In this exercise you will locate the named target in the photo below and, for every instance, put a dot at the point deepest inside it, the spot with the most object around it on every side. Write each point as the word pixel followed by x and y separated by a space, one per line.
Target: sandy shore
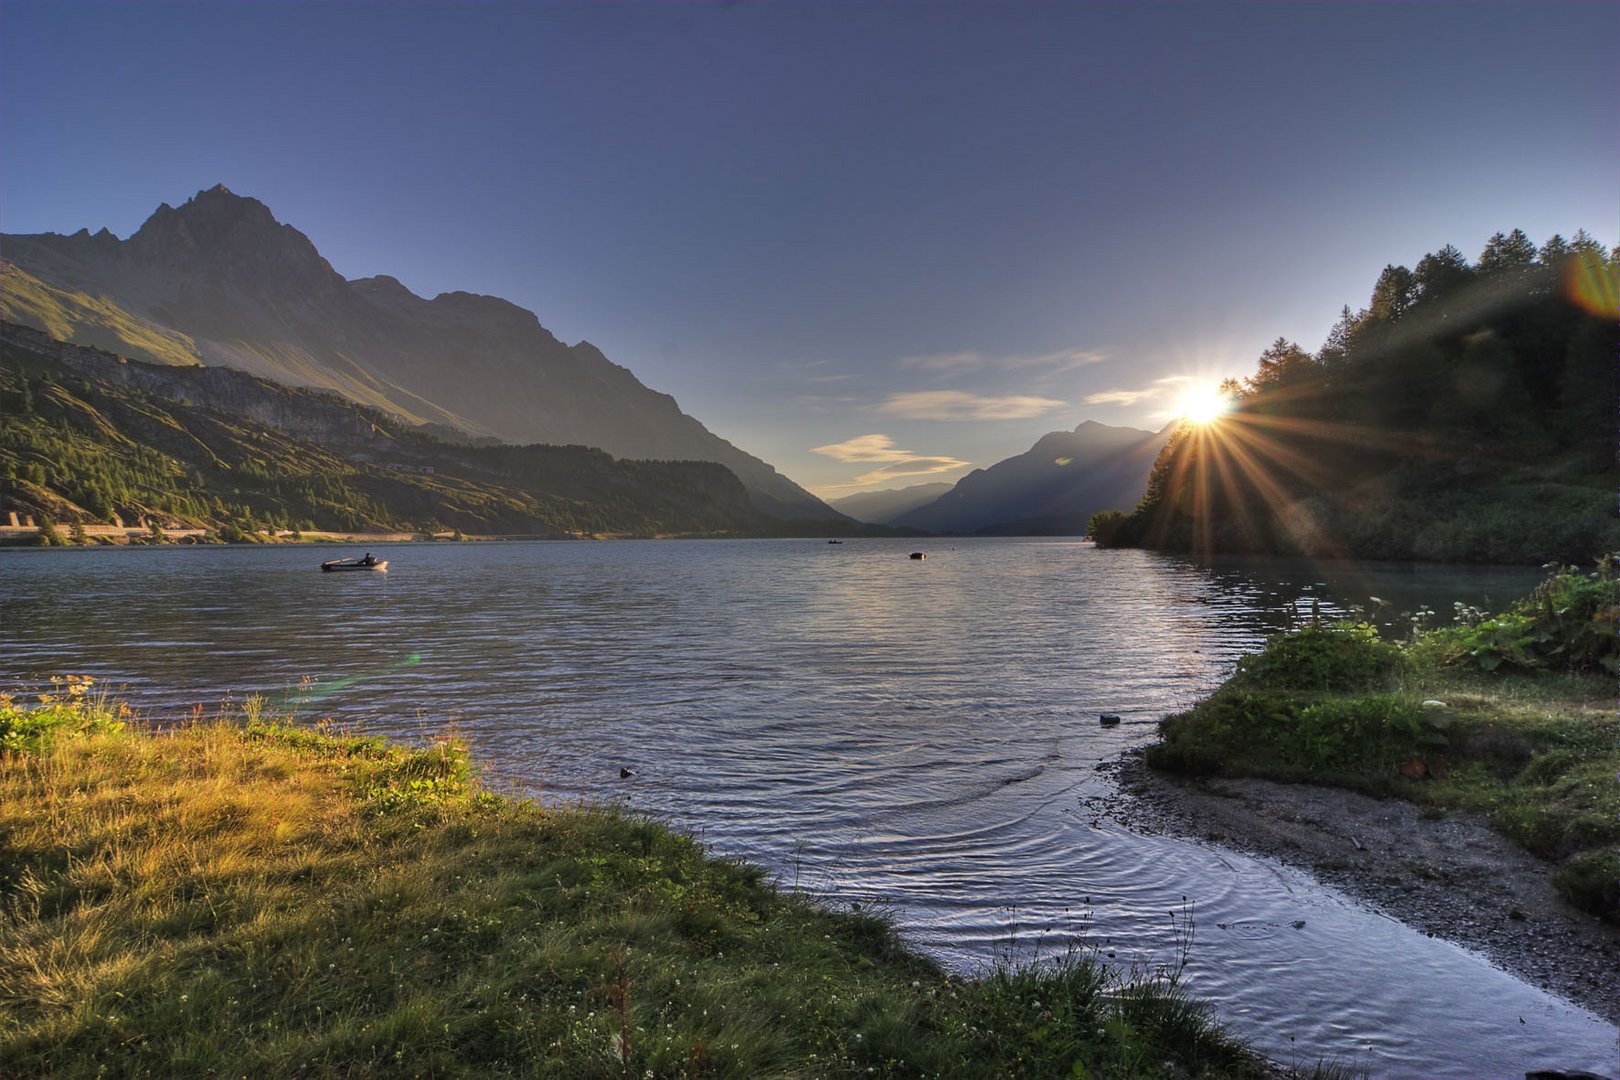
pixel 1451 877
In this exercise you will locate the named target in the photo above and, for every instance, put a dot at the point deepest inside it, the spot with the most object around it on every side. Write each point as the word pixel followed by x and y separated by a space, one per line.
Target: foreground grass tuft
pixel 1511 716
pixel 263 899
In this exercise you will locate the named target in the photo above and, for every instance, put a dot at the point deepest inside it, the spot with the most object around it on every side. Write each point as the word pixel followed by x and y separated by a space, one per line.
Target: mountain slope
pixel 886 506
pixel 87 436
pixel 219 281
pixel 1051 489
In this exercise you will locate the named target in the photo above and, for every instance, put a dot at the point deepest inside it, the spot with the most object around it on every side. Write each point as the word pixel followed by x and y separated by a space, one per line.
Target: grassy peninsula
pixel 247 896
pixel 1509 716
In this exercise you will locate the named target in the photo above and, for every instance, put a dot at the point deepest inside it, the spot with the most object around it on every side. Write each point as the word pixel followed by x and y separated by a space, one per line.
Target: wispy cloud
pixel 893 463
pixel 959 405
pixel 957 361
pixel 951 363
pixel 1153 391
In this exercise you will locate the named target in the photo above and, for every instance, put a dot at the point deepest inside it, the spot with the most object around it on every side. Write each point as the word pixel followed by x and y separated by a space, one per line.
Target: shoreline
pixel 1450 876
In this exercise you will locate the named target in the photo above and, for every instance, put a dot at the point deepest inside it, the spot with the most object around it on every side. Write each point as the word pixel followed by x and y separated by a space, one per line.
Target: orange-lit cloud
pixel 893 463
pixel 959 405
pixel 1156 390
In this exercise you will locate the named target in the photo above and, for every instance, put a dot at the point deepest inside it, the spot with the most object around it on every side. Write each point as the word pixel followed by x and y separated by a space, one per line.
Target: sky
pixel 874 243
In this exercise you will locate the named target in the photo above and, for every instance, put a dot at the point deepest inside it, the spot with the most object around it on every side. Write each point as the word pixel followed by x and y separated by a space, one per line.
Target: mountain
pixel 886 506
pixel 88 435
pixel 1052 489
pixel 219 282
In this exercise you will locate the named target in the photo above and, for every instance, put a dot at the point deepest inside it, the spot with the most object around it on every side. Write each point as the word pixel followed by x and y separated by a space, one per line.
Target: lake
pixel 914 735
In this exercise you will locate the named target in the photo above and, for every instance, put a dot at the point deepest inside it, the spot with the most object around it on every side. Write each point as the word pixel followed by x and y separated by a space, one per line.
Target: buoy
pixel 918 555
pixel 1109 719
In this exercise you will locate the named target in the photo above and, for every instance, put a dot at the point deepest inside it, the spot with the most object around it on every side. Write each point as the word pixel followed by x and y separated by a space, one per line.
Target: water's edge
pixel 917 735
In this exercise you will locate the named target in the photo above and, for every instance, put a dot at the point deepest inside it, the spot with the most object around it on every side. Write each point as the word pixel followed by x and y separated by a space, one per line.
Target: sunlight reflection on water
pixel 910 734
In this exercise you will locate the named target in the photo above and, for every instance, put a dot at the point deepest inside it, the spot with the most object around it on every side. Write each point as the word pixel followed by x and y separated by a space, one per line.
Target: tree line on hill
pixel 1466 413
pixel 78 449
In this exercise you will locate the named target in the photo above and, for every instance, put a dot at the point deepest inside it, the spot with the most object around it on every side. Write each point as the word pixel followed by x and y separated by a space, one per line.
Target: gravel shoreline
pixel 1450 877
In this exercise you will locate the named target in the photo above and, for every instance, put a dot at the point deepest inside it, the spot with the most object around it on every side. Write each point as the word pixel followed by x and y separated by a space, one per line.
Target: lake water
pixel 915 735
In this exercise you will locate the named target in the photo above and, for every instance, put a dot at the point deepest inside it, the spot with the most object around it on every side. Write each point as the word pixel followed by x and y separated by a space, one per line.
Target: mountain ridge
pixel 885 506
pixel 91 437
pixel 1052 488
pixel 219 281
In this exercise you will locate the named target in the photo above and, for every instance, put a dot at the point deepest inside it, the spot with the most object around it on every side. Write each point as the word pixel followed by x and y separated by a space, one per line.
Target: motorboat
pixel 367 563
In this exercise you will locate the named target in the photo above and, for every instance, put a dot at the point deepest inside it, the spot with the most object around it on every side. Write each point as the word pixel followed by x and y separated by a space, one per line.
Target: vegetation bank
pixel 1509 716
pixel 250 896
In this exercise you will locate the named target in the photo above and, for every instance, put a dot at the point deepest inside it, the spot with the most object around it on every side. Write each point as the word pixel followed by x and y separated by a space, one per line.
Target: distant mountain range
pixel 220 282
pixel 1052 489
pixel 884 507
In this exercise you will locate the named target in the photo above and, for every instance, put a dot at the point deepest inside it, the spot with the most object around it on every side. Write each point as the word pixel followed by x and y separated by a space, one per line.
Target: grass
pixel 255 897
pixel 1510 716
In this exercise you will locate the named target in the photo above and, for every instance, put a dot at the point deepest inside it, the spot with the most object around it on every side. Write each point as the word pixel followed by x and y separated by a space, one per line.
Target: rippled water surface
pixel 912 733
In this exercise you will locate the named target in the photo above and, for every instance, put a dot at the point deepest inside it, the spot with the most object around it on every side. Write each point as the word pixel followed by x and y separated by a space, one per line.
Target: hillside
pixel 1051 489
pixel 1467 413
pixel 220 282
pixel 888 505
pixel 88 435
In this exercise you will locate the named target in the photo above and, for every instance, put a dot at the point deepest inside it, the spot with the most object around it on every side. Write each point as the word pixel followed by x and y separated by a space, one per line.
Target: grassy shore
pixel 1511 716
pixel 250 897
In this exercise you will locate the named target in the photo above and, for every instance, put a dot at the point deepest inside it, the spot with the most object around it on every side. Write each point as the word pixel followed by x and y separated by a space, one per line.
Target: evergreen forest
pixel 1466 413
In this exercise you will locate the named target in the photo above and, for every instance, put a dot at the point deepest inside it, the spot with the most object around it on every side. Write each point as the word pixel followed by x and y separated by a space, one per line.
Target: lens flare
pixel 313 693
pixel 1591 284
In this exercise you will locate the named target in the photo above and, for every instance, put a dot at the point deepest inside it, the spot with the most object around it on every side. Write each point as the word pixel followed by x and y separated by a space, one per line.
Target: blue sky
pixel 915 235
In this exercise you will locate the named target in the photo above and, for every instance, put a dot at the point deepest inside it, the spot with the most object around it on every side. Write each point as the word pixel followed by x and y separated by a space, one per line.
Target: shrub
pixel 1364 734
pixel 1567 624
pixel 1342 657
pixel 1105 526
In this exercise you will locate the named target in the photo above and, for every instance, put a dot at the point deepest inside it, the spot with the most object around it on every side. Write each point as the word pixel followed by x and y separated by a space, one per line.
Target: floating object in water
pixel 918 555
pixel 355 564
pixel 624 773
pixel 835 541
pixel 1109 719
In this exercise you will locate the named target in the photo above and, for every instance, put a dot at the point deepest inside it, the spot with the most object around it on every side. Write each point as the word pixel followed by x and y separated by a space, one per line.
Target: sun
pixel 1204 404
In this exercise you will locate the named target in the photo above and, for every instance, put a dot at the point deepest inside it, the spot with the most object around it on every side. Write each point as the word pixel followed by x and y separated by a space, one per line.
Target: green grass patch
pixel 1510 716
pixel 255 897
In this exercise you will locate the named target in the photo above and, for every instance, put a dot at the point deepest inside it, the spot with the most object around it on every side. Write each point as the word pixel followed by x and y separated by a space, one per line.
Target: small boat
pixel 355 564
pixel 918 555
pixel 835 541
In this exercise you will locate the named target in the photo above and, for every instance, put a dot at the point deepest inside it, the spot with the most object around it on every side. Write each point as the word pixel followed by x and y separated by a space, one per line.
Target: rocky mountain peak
pixel 229 237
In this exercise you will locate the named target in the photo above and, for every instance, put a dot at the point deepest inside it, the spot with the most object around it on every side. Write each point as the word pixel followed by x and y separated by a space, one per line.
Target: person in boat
pixel 369 560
